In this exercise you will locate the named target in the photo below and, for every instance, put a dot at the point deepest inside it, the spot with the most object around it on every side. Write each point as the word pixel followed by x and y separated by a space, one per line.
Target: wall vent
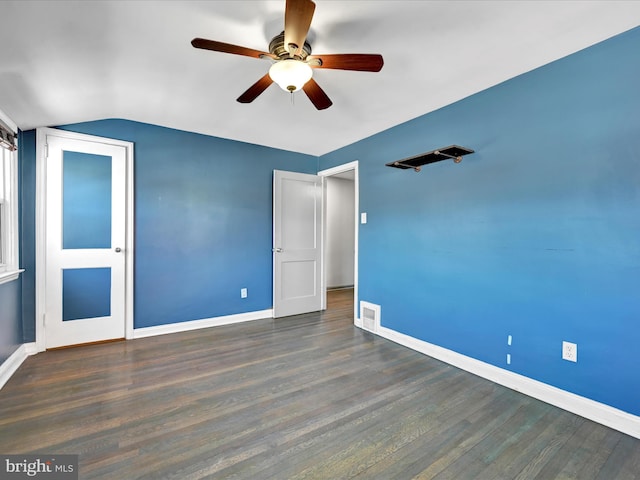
pixel 370 316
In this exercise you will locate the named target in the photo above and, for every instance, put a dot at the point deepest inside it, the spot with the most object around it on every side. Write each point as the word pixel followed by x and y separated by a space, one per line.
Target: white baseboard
pixel 590 409
pixel 204 323
pixel 11 364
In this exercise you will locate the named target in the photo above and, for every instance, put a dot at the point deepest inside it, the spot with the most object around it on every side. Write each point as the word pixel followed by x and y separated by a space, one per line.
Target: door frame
pixel 356 185
pixel 40 231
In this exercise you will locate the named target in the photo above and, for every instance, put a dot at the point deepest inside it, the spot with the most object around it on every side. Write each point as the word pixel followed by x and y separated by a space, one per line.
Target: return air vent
pixel 370 316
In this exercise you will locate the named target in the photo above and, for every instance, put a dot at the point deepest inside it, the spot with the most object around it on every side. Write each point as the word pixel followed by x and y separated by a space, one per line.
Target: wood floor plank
pixel 308 396
pixel 550 440
pixel 433 445
pixel 612 468
pixel 568 460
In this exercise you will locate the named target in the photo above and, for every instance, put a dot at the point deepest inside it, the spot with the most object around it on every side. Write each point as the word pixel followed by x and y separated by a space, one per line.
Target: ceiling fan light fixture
pixel 290 74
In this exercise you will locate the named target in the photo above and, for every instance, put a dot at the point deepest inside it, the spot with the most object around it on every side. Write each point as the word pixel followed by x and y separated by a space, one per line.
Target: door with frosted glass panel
pixel 85 205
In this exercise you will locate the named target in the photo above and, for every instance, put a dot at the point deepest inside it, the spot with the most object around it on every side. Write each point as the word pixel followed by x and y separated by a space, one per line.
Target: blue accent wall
pixel 86 200
pixel 27 180
pixel 86 293
pixel 10 318
pixel 202 221
pixel 536 235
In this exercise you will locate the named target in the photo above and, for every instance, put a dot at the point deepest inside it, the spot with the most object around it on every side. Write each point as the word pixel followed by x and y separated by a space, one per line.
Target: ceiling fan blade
pixel 317 95
pixel 256 89
pixel 362 62
pixel 229 48
pixel 297 21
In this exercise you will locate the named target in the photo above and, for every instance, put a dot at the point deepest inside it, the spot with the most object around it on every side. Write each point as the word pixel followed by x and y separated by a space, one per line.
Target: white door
pixel 297 237
pixel 85 212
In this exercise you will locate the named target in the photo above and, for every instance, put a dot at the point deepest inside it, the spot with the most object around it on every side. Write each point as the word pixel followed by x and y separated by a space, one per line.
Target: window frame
pixel 9 239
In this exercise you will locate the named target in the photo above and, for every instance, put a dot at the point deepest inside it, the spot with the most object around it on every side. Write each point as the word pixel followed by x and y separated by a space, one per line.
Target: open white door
pixel 297 243
pixel 86 249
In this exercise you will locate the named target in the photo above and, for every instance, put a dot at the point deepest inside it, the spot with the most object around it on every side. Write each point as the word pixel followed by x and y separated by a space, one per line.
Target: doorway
pixel 340 251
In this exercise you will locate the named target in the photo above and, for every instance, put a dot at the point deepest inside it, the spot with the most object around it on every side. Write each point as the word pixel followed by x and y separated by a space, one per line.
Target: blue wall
pixel 10 318
pixel 536 235
pixel 202 221
pixel 27 159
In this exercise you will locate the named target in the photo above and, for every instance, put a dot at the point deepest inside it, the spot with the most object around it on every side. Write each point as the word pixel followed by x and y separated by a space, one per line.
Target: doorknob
pixel 118 249
pixel 277 250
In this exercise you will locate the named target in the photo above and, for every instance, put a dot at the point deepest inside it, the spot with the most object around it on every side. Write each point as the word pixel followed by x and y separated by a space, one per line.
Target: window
pixel 8 205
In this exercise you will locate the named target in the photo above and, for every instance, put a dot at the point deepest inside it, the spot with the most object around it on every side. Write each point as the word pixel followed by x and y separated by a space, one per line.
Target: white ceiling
pixel 72 61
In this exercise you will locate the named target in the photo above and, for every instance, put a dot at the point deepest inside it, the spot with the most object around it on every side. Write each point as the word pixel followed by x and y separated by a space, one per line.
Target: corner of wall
pixel 11 364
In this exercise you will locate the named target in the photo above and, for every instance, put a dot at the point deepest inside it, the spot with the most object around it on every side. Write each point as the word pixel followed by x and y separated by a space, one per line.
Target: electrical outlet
pixel 570 351
pixel 243 293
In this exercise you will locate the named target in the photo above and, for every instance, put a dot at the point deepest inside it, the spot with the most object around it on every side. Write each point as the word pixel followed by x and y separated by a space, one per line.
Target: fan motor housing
pixel 278 48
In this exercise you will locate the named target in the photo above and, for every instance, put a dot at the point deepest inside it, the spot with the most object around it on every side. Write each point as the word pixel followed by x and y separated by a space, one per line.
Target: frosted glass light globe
pixel 290 74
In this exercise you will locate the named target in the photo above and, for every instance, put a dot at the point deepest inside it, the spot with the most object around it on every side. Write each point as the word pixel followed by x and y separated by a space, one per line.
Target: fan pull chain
pixel 292 102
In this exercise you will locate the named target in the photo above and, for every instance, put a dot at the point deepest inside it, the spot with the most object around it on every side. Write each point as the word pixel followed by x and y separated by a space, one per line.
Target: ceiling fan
pixel 293 63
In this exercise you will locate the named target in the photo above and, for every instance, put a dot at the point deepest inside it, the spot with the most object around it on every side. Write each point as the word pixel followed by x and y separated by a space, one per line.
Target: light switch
pixel 363 217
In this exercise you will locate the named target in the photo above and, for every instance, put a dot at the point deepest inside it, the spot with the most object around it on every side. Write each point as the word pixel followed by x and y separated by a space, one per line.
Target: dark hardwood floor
pixel 309 396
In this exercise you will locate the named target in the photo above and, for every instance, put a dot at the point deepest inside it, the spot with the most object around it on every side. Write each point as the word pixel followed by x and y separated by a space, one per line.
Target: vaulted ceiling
pixel 64 62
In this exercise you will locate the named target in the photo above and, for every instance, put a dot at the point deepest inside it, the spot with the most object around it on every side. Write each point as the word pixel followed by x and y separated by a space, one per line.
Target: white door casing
pixel 68 311
pixel 297 243
pixel 340 169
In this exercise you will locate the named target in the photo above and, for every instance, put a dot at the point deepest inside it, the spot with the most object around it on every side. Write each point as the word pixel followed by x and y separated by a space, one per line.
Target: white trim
pixel 8 122
pixel 587 408
pixel 41 153
pixel 11 364
pixel 356 185
pixel 9 216
pixel 129 243
pixel 323 245
pixel 204 323
pixel 40 238
pixel 7 277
